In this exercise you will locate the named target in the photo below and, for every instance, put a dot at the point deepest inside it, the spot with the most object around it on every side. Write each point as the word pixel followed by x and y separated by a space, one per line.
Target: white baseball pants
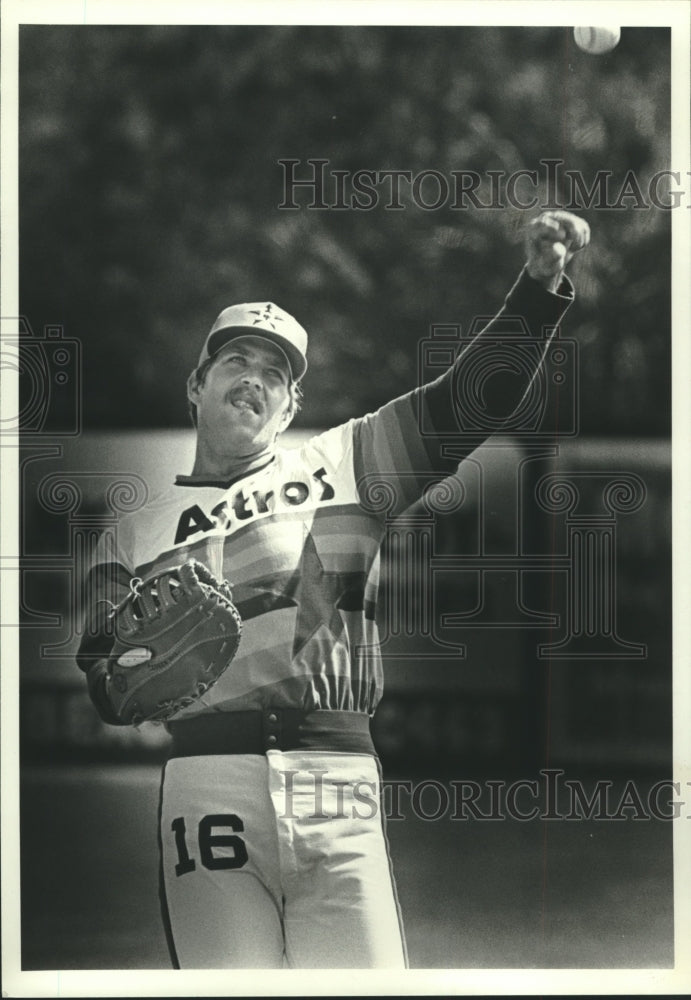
pixel 278 860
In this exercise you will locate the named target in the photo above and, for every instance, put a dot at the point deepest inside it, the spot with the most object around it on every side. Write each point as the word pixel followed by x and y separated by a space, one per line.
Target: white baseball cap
pixel 262 319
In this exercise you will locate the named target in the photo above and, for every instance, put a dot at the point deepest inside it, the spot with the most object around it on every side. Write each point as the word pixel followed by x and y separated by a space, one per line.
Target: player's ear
pixel 288 413
pixel 193 386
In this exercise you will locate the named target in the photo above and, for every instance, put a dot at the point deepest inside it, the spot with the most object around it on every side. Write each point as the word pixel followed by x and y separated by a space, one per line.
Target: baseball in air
pixel 596 41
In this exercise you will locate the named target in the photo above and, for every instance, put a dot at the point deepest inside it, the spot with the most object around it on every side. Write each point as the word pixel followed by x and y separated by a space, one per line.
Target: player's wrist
pixel 550 281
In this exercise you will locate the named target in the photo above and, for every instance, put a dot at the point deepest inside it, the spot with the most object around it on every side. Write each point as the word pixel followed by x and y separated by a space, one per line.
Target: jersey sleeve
pixel 105 586
pixel 418 439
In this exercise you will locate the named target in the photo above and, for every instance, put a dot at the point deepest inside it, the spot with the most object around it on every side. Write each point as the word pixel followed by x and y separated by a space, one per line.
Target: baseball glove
pixel 175 635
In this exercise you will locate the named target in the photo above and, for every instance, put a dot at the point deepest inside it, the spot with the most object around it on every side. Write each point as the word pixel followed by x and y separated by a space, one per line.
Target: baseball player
pixel 272 841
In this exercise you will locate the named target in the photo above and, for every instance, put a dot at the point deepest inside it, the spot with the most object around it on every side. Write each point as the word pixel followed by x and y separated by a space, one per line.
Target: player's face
pixel 245 397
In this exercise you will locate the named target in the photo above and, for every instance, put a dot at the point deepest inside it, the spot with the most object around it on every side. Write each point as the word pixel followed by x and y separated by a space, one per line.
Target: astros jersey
pixel 299 541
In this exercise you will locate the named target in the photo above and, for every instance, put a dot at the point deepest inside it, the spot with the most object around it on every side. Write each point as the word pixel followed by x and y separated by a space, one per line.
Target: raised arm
pixel 422 436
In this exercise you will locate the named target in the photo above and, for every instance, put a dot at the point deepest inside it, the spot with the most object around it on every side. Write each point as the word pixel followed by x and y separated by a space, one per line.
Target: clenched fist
pixel 551 241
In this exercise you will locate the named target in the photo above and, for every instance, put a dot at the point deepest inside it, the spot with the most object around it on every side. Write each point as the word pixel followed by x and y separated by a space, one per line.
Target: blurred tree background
pixel 150 183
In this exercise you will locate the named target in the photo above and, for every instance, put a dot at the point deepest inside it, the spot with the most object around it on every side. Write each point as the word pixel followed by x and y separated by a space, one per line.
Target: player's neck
pixel 211 465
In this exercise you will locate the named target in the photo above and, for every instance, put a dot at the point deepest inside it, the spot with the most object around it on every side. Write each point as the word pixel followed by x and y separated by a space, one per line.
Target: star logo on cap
pixel 266 316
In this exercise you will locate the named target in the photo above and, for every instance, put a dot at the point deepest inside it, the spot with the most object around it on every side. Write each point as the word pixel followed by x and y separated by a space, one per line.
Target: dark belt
pixel 271 729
